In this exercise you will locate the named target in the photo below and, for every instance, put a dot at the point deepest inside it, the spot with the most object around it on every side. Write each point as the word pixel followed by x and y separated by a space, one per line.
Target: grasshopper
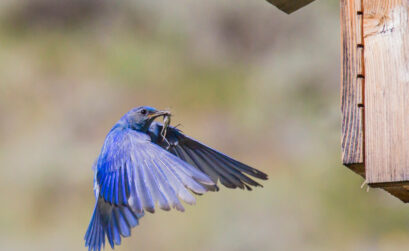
pixel 166 123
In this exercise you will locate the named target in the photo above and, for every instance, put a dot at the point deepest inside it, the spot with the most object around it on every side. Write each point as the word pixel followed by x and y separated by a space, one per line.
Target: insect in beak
pixel 166 123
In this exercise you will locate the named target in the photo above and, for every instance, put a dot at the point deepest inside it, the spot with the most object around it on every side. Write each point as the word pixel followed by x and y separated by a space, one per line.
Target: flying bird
pixel 145 163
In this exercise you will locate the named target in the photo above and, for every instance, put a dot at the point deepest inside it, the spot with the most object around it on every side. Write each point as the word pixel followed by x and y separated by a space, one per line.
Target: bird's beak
pixel 158 114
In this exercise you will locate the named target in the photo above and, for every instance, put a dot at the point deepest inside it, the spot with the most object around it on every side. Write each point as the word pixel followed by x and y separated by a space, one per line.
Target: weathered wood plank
pixel 289 6
pixel 352 86
pixel 386 39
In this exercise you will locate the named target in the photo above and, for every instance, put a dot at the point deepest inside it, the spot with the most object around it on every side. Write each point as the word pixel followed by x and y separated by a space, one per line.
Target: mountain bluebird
pixel 140 166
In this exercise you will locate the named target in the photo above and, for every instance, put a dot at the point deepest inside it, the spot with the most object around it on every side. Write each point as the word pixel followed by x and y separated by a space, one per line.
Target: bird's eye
pixel 144 112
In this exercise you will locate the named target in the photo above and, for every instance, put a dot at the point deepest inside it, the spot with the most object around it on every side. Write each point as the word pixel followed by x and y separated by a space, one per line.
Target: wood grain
pixel 289 6
pixel 352 82
pixel 386 39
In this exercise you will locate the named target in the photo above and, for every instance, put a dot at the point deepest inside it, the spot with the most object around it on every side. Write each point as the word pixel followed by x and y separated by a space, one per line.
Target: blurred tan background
pixel 239 75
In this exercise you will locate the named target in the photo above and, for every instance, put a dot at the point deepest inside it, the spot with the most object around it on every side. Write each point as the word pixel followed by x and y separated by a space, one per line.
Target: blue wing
pixel 215 164
pixel 133 171
pixel 132 175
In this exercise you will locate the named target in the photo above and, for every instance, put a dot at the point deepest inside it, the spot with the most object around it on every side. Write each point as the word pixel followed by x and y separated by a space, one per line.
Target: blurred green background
pixel 239 75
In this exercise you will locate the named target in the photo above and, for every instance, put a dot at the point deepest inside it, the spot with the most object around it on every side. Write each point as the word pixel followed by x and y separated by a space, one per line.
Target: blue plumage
pixel 137 168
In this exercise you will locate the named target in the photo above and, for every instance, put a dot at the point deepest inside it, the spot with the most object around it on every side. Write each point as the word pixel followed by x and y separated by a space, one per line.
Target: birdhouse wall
pixel 351 85
pixel 386 38
pixel 375 92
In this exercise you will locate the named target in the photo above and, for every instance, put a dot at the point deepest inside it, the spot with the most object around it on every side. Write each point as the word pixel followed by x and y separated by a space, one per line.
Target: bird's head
pixel 140 118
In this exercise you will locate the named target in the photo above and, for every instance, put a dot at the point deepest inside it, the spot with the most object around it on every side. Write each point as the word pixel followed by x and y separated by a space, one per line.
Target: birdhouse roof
pixel 289 6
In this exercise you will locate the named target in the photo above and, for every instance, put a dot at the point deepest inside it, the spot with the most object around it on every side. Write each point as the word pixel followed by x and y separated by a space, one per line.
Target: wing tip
pixel 150 209
pixel 260 175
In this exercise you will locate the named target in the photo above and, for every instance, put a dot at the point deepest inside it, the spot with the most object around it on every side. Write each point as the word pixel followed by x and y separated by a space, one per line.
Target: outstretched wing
pixel 217 165
pixel 133 171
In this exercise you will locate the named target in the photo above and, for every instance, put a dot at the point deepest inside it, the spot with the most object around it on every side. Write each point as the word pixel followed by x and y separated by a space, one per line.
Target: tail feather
pixel 110 221
pixel 95 236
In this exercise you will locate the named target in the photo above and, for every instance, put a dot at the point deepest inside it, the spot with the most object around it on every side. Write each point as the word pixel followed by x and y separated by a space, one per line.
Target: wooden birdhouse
pixel 374 90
